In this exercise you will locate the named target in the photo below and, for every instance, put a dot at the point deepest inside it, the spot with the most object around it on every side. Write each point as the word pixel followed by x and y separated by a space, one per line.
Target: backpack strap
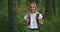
pixel 37 21
pixel 29 19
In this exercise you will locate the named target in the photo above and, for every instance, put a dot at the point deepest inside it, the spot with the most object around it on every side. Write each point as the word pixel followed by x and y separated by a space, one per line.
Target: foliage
pixel 49 26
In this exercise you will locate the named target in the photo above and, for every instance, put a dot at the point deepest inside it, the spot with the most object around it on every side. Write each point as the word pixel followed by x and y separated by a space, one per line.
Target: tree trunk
pixel 11 15
pixel 53 6
pixel 48 12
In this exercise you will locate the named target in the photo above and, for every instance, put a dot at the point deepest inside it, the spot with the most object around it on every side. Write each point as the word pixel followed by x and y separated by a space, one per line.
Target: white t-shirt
pixel 33 22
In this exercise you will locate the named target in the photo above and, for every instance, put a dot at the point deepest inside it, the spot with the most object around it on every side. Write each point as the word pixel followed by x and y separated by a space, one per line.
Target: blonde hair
pixel 33 3
pixel 35 7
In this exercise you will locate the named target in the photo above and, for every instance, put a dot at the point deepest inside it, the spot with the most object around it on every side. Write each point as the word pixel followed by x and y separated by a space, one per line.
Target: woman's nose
pixel 32 8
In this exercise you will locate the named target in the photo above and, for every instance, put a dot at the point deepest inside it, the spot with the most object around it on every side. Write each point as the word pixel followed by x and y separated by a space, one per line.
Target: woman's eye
pixel 32 7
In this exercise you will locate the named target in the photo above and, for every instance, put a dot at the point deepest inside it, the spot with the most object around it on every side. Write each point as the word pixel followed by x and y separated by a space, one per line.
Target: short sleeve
pixel 25 17
pixel 40 16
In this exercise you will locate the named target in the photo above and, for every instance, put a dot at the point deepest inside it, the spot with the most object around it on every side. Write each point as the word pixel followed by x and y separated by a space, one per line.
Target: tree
pixel 53 6
pixel 48 12
pixel 11 14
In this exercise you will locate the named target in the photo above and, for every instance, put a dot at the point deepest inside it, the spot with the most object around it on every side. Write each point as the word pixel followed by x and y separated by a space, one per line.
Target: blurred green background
pixel 21 8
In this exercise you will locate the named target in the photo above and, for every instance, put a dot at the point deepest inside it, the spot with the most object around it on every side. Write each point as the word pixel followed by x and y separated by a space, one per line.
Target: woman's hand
pixel 26 21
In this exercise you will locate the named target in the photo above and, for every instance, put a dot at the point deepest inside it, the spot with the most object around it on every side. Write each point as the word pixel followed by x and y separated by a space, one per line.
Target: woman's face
pixel 32 8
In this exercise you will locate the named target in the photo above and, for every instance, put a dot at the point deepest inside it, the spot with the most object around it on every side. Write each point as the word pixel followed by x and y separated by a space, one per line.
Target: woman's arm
pixel 40 21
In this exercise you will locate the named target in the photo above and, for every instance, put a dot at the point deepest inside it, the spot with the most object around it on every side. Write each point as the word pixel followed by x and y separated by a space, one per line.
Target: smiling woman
pixel 33 7
pixel 34 19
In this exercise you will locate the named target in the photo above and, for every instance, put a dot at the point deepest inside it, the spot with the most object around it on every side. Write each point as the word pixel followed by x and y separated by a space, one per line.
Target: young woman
pixel 30 18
